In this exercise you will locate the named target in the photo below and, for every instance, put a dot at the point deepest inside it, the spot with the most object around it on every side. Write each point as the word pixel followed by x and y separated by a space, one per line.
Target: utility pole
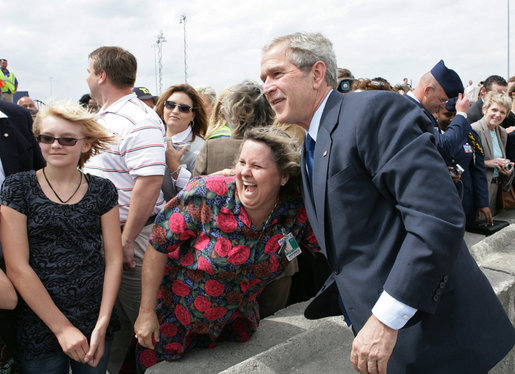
pixel 183 21
pixel 159 43
pixel 154 46
pixel 508 2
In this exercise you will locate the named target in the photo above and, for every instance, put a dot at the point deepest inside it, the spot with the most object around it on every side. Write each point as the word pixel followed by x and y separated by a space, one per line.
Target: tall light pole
pixel 154 46
pixel 508 2
pixel 183 21
pixel 159 43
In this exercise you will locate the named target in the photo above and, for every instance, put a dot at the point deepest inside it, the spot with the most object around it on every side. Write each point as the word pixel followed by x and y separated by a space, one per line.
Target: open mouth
pixel 249 187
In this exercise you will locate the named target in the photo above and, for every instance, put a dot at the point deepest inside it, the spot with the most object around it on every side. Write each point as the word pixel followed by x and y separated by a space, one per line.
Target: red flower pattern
pixel 213 314
pixel 202 304
pixel 168 330
pixel 187 260
pixel 205 266
pixel 180 288
pixel 148 358
pixel 214 288
pixel 217 185
pixel 173 348
pixel 238 255
pixel 222 247
pixel 177 223
pixel 182 315
pixel 201 242
pixel 302 216
pixel 226 220
pixel 272 245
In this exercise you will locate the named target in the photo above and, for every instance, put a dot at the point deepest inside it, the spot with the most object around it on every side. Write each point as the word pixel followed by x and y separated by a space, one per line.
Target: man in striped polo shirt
pixel 135 163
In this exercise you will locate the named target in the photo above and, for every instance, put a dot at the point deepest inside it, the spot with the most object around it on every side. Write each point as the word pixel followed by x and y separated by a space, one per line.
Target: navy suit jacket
pixel 388 217
pixel 19 150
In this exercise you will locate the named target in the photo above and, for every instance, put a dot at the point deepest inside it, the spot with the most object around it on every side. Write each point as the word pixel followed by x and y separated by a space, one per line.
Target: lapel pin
pixel 6 134
pixel 324 154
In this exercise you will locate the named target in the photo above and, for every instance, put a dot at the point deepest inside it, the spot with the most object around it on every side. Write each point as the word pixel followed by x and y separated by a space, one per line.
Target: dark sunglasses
pixel 67 142
pixel 183 108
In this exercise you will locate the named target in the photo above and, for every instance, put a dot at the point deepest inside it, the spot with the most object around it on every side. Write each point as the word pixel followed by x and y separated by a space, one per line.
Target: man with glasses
pixel 135 164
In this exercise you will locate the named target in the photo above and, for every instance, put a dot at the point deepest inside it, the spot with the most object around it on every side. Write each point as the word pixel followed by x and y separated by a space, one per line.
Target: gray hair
pixel 501 99
pixel 245 107
pixel 305 49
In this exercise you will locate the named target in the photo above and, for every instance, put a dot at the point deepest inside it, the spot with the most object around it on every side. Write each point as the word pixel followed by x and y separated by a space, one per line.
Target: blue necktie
pixel 310 151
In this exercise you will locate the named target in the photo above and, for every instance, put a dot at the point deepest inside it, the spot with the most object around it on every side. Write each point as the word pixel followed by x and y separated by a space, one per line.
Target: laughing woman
pixel 218 243
pixel 54 224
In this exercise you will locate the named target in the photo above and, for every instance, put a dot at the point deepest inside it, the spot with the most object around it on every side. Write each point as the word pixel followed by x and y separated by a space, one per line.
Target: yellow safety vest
pixel 10 85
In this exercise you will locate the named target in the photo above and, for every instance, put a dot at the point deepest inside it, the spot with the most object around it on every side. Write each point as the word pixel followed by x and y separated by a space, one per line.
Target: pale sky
pixel 47 43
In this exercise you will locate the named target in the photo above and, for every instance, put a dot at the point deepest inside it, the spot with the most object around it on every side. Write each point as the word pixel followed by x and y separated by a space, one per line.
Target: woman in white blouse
pixel 182 110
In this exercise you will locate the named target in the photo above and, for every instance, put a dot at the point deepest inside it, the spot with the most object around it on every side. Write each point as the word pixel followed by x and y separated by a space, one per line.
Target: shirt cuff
pixel 183 178
pixel 392 312
pixel 462 113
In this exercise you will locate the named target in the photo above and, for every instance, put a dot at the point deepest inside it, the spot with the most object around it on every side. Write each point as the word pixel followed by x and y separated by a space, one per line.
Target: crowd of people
pixel 135 228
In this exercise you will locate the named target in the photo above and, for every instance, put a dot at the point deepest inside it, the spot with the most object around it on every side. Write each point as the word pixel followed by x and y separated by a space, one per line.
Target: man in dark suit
pixel 388 218
pixel 19 151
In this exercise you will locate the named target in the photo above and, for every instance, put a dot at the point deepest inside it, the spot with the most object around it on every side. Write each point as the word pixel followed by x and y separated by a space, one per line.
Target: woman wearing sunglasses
pixel 55 222
pixel 182 110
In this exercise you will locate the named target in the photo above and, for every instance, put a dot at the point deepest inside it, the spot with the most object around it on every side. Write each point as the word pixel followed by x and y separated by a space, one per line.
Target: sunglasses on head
pixel 47 139
pixel 183 108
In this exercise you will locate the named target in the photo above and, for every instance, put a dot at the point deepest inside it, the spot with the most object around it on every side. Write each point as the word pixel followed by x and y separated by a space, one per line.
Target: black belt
pixel 150 221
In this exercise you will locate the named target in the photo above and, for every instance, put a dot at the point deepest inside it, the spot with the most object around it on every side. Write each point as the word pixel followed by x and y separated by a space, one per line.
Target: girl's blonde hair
pixel 93 132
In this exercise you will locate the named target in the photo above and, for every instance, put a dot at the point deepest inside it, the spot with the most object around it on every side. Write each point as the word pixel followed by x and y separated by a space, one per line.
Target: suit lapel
pixel 306 188
pixel 489 145
pixel 321 159
pixel 8 147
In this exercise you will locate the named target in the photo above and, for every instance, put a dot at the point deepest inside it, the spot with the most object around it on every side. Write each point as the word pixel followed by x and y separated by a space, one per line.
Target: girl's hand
pixel 73 343
pixel 96 347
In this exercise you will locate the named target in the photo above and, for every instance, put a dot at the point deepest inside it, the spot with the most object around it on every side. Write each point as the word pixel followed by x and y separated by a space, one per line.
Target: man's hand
pixel 128 254
pixel 454 176
pixel 463 103
pixel 485 211
pixel 373 346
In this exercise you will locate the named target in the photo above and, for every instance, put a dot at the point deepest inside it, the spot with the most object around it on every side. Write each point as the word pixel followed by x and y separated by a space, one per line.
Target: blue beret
pixel 450 105
pixel 448 79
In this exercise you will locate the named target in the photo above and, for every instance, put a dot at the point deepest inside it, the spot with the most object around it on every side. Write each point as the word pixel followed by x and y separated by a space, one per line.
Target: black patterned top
pixel 65 252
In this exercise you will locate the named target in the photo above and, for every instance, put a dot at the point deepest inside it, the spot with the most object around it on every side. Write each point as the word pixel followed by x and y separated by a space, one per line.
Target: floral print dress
pixel 218 263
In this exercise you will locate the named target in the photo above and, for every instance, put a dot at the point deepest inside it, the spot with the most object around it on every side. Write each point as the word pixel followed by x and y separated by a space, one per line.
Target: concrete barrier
pixel 288 343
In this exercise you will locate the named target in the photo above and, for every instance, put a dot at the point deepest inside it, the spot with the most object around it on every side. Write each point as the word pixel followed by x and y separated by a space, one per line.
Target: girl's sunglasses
pixel 67 142
pixel 183 108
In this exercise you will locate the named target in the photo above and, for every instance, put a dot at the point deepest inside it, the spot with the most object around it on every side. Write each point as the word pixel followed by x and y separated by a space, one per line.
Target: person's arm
pixel 200 168
pixel 112 242
pixel 143 200
pixel 146 327
pixel 9 299
pixel 16 252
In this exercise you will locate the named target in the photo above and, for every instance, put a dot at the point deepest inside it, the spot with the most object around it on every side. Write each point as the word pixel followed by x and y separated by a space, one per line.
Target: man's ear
pixel 102 77
pixel 318 69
